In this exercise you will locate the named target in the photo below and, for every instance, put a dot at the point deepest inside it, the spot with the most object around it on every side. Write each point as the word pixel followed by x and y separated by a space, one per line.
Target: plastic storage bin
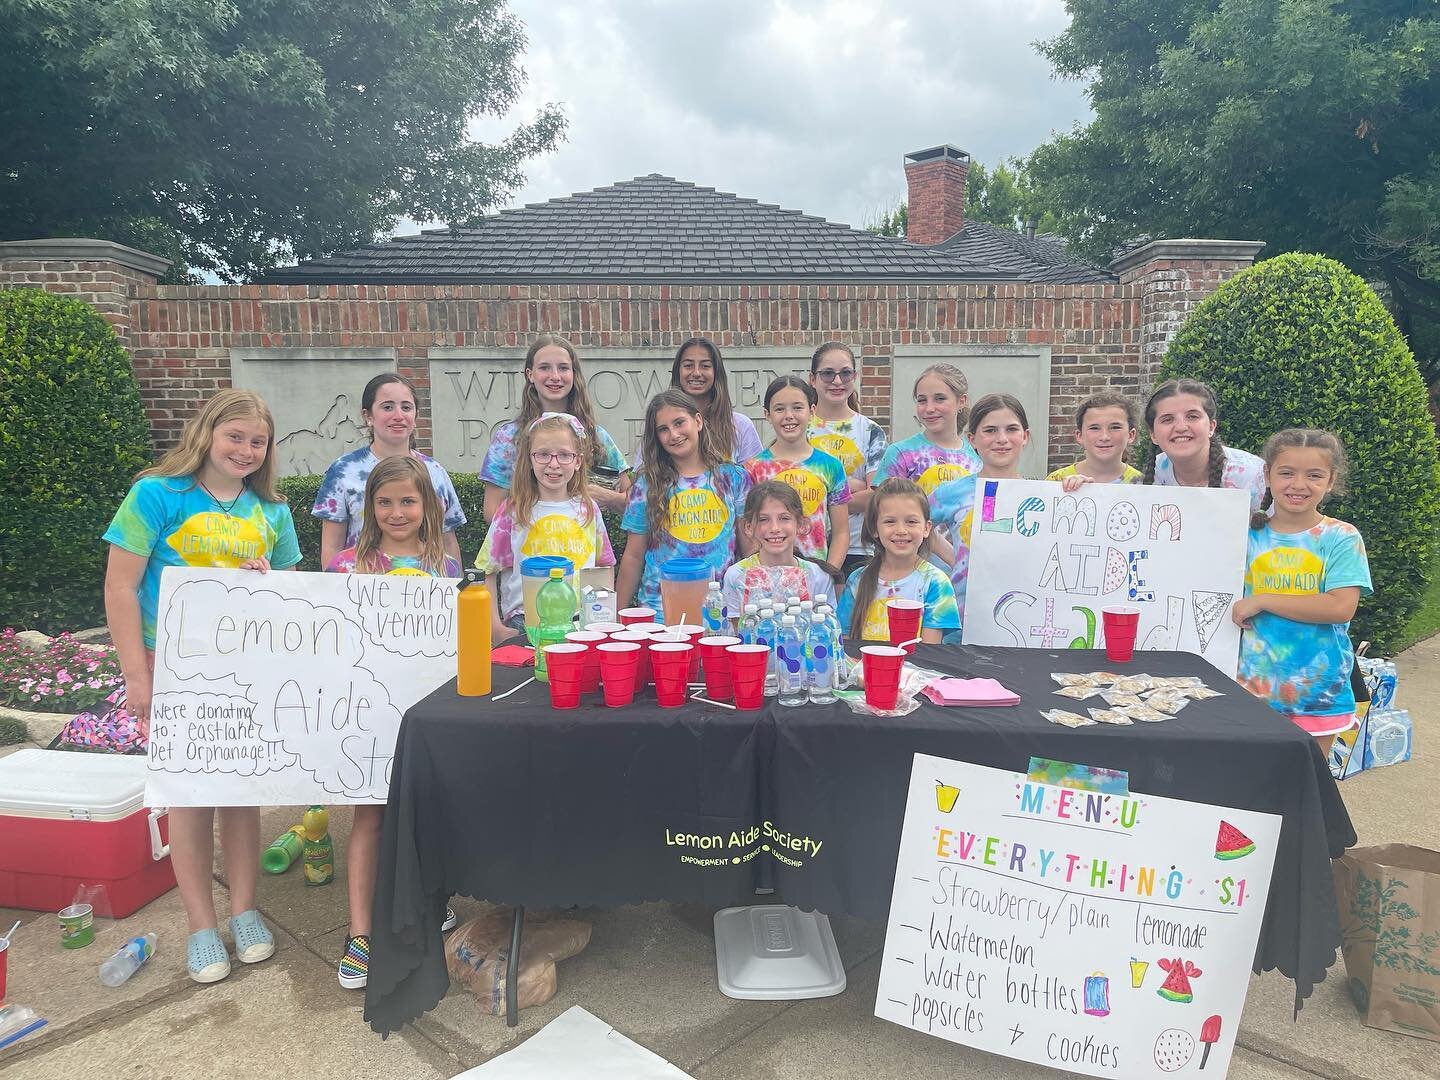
pixel 68 819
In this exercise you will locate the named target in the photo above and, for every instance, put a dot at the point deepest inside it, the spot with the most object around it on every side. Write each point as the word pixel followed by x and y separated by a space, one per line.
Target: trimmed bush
pixel 72 436
pixel 1300 341
pixel 300 491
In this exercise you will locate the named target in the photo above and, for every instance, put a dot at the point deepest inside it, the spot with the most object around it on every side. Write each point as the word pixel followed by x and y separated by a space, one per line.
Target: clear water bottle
pixel 765 631
pixel 713 610
pixel 749 620
pixel 807 608
pixel 842 662
pixel 790 663
pixel 127 960
pixel 820 661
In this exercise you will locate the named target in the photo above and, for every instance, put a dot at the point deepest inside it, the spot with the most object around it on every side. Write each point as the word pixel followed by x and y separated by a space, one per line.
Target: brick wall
pixel 935 201
pixel 1100 336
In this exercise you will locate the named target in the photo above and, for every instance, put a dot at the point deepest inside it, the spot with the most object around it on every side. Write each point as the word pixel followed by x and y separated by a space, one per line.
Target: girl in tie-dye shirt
pixel 842 431
pixel 940 452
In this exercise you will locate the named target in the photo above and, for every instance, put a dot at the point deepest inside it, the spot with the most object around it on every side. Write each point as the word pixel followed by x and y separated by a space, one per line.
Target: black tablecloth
pixel 518 803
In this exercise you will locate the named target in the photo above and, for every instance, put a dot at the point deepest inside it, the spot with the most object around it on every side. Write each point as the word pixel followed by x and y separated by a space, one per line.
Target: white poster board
pixel 288 688
pixel 1043 564
pixel 1061 919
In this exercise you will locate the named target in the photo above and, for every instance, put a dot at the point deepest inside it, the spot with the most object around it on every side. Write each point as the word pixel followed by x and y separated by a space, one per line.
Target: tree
pixel 1309 124
pixel 1300 341
pixel 1004 197
pixel 238 136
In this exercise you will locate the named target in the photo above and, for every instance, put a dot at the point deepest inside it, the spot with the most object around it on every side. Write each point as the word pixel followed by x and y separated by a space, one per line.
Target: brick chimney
pixel 936 178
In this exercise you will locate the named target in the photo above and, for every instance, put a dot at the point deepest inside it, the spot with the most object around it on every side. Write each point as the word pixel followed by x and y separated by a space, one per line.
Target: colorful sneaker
pixel 355 964
pixel 253 942
pixel 205 956
pixel 450 920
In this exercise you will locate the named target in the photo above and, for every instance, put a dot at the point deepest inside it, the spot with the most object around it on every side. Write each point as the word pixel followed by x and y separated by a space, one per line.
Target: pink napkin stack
pixel 969 692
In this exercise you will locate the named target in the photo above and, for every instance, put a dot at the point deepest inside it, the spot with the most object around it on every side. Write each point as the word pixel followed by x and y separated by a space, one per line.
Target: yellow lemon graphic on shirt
pixel 966 524
pixel 1288 570
pixel 406 571
pixel 877 623
pixel 807 485
pixel 211 539
pixel 556 534
pixel 841 446
pixel 697 515
pixel 938 474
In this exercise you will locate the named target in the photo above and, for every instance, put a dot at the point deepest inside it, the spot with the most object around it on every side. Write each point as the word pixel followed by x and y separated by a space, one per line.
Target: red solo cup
pixel 671 662
pixel 590 680
pixel 606 628
pixel 619 663
pixel 565 664
pixel 904 618
pixel 693 634
pixel 636 615
pixel 641 638
pixel 718 685
pixel 882 665
pixel 1121 625
pixel 747 674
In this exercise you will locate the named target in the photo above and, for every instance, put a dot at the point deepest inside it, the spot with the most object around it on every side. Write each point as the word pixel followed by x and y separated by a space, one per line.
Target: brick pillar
pixel 935 207
pixel 107 276
pixel 1172 277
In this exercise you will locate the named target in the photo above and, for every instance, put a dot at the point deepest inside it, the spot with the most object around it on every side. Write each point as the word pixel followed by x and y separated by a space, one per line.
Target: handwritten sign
pixel 289 688
pixel 1044 563
pixel 1058 921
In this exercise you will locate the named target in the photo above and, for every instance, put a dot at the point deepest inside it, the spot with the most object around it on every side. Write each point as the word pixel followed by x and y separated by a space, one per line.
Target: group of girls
pixel 827 502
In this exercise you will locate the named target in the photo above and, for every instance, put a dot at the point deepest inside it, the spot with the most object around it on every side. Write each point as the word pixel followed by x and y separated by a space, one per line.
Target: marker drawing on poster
pixel 288 688
pixel 1061 918
pixel 1043 564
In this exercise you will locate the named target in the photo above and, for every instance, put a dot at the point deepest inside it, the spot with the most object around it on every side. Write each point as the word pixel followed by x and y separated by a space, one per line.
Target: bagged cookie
pixel 1110 716
pixel 1069 719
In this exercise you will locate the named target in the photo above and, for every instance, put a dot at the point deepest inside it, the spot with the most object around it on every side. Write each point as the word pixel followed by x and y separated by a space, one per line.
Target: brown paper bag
pixel 477 953
pixel 1390 913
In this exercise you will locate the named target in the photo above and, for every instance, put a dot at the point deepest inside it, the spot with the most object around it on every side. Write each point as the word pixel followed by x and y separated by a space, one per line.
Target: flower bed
pixel 63 676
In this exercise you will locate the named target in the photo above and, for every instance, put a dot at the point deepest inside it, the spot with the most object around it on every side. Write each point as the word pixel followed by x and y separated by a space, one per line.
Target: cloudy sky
pixel 811 104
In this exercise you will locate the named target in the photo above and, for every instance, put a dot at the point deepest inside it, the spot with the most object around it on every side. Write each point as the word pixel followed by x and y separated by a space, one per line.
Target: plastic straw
pixel 507 693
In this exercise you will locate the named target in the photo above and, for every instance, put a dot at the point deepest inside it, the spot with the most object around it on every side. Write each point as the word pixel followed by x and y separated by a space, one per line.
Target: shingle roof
pixel 658 229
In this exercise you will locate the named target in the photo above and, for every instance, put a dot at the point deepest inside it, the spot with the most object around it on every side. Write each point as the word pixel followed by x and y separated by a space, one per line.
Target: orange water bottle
pixel 472 635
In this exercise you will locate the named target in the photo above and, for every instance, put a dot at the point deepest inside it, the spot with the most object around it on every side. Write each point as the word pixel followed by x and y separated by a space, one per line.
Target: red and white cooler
pixel 69 819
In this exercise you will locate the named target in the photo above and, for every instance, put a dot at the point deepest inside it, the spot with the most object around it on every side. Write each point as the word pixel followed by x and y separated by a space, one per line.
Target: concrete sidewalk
pixel 649 971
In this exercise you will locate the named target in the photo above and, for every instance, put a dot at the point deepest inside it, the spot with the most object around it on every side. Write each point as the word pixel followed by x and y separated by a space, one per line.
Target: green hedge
pixel 1300 341
pixel 300 491
pixel 72 435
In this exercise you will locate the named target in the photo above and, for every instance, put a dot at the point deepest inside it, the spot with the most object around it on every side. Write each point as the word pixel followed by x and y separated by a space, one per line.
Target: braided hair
pixel 1174 388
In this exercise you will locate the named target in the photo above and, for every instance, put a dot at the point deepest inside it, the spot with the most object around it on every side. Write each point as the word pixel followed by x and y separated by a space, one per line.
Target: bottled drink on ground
pixel 128 959
pixel 283 850
pixel 790 663
pixel 319 850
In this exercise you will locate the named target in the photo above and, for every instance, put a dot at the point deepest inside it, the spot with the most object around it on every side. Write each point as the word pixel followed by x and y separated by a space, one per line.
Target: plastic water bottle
pixel 820 661
pixel 765 631
pixel 127 960
pixel 555 607
pixel 837 635
pixel 749 620
pixel 807 608
pixel 713 611
pixel 790 663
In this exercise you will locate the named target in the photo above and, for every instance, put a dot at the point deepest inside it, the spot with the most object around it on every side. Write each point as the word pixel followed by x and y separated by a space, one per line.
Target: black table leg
pixel 512 970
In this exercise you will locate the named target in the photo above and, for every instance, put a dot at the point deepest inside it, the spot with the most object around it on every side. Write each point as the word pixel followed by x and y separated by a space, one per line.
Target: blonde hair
pixel 577 403
pixel 897 487
pixel 953 378
pixel 432 521
pixel 191 453
pixel 525 486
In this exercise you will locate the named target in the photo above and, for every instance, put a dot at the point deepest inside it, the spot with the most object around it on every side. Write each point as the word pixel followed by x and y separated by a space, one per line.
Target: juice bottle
pixel 472 635
pixel 555 606
pixel 319 850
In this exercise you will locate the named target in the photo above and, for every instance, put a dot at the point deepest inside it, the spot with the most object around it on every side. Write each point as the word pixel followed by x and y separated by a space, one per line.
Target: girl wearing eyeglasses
pixel 548 512
pixel 839 429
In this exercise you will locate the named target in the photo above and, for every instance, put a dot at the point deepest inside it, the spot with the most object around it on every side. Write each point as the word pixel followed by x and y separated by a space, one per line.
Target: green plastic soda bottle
pixel 555 608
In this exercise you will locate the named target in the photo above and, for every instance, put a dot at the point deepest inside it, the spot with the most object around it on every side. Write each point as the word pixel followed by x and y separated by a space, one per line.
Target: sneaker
pixel 450 920
pixel 253 942
pixel 355 964
pixel 205 956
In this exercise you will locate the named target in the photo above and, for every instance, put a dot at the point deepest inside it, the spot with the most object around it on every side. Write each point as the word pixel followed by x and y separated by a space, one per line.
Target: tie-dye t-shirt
pixel 859 443
pixel 928 584
pixel 173 521
pixel 498 468
pixel 1128 474
pixel 1302 668
pixel 919 459
pixel 555 528
pixel 952 509
pixel 400 565
pixel 747 581
pixel 819 480
pixel 703 513
pixel 1242 470
pixel 341 497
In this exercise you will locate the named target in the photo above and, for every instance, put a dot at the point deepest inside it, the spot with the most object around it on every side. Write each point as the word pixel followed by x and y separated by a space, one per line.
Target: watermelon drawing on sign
pixel 1177 982
pixel 1231 843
